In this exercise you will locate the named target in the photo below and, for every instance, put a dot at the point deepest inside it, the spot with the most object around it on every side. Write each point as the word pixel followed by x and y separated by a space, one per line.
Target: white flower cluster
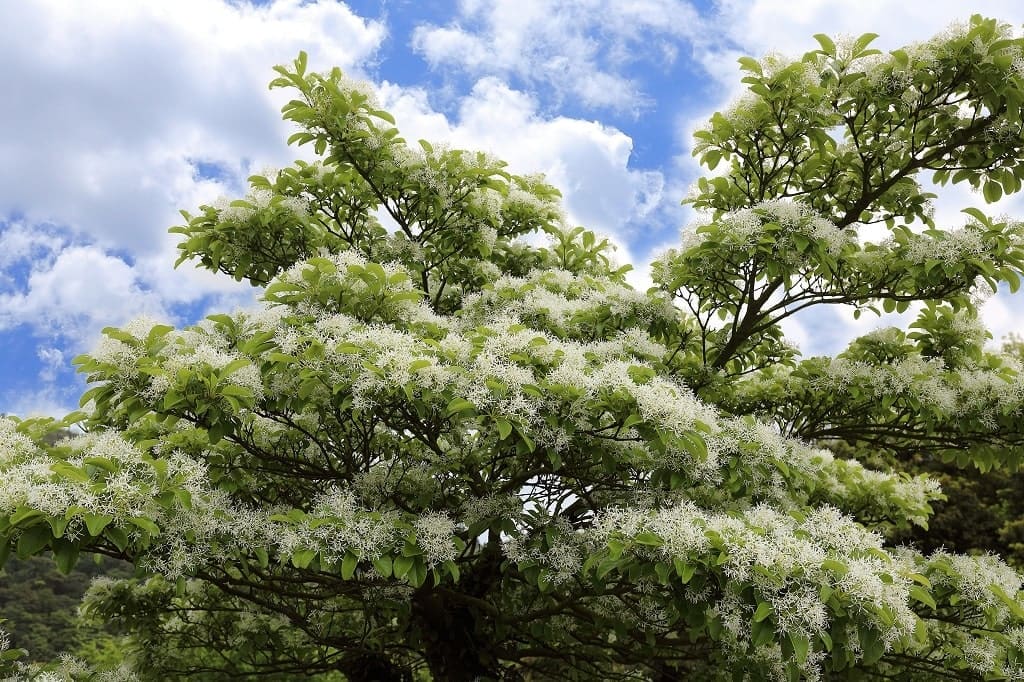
pixel 491 507
pixel 258 200
pixel 434 533
pixel 747 112
pixel 387 478
pixel 490 371
pixel 14 447
pixel 397 247
pixel 563 558
pixel 69 669
pixel 392 351
pixel 29 480
pixel 783 557
pixel 347 272
pixel 488 203
pixel 121 357
pixel 895 79
pixel 195 350
pixel 952 247
pixel 124 488
pixel 973 576
pixel 563 303
pixel 744 229
pixel 974 391
pixel 336 525
pixel 520 200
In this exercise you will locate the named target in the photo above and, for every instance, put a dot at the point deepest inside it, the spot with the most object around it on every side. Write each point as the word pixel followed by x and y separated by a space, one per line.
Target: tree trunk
pixel 457 624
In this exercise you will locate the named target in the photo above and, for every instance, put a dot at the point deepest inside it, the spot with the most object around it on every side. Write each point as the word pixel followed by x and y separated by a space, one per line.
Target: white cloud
pixel 126 96
pixel 53 360
pixel 1003 315
pixel 109 105
pixel 48 401
pixel 587 160
pixel 80 292
pixel 796 333
pixel 108 100
pixel 761 26
pixel 580 48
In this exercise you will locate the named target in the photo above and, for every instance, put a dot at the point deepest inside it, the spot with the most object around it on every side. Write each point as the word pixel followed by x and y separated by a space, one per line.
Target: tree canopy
pixel 440 450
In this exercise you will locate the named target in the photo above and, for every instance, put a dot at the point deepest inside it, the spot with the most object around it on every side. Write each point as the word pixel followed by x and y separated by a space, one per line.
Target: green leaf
pixel 919 579
pixel 684 570
pixel 750 64
pixel 762 632
pixel 236 391
pixel 862 42
pixel 95 523
pixel 872 646
pixel 69 471
pixel 402 565
pixel 33 540
pixel 504 428
pixel 977 215
pixel 418 575
pixel 281 358
pixel 101 463
pixel 58 525
pixel 837 567
pixel 458 405
pixel 65 555
pixel 764 609
pixel 922 595
pixel 348 565
pixel 632 420
pixel 384 565
pixel 145 524
pixel 648 538
pixel 827 46
pixel 801 646
pixel 416 365
pixel 234 366
pixel 992 191
pixel 607 565
pixel 1010 602
pixel 23 514
pixel 117 536
pixel 303 557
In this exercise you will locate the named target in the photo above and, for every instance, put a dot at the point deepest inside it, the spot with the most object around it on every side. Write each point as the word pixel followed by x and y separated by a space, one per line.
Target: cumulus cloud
pixel 579 48
pixel 110 101
pixel 48 401
pixel 760 26
pixel 82 290
pixel 113 108
pixel 53 359
pixel 587 160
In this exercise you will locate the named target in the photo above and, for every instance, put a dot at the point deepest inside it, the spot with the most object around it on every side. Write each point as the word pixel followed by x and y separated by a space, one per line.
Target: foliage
pixel 438 449
pixel 984 510
pixel 40 605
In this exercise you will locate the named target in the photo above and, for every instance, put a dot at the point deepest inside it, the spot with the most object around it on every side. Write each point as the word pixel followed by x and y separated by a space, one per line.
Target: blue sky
pixel 120 112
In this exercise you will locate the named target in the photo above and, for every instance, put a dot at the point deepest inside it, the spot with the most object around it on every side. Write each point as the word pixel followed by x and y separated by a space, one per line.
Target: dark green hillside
pixel 40 604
